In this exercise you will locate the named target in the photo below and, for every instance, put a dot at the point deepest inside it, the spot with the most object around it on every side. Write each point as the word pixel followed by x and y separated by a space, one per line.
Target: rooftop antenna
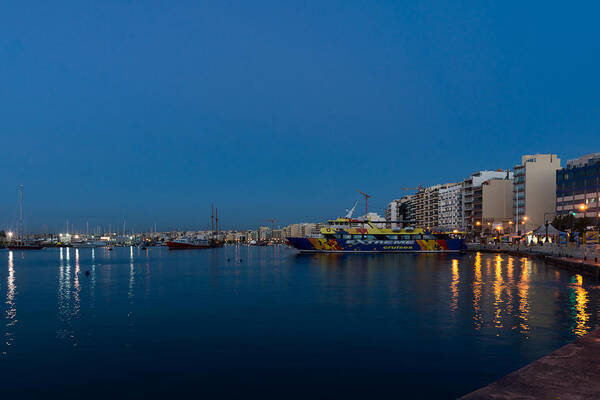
pixel 349 212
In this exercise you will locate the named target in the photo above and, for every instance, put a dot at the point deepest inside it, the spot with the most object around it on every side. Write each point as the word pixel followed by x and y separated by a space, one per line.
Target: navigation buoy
pixel 87 273
pixel 228 260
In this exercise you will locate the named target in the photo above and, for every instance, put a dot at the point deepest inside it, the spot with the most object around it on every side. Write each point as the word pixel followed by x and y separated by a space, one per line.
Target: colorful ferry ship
pixel 347 235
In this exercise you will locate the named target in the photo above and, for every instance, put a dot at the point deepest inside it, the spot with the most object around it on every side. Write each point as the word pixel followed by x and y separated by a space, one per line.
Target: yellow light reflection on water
pixel 454 285
pixel 511 284
pixel 581 316
pixel 523 288
pixel 477 283
pixel 498 286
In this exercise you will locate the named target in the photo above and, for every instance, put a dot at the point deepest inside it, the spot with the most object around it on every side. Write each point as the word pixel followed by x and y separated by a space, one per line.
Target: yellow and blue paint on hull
pixel 375 246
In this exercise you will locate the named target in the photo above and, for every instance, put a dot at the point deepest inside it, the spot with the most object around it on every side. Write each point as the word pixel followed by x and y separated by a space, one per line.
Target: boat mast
pixel 217 220
pixel 212 221
pixel 20 227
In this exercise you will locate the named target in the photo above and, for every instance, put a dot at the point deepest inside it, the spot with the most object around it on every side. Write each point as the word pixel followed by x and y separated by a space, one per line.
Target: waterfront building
pixel 277 234
pixel 264 233
pixel 301 230
pixel 578 187
pixel 492 206
pixel 426 206
pixel 534 190
pixel 400 210
pixel 469 201
pixel 450 207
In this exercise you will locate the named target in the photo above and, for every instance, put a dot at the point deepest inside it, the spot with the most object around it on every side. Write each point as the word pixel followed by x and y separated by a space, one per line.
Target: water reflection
pixel 492 294
pixel 131 287
pixel 579 300
pixel 477 286
pixel 454 285
pixel 65 309
pixel 93 281
pixel 11 311
pixel 523 290
pixel 76 285
pixel 498 288
pixel 131 275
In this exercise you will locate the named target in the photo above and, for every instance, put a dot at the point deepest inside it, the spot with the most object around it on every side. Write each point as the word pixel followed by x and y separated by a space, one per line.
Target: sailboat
pixel 22 243
pixel 199 242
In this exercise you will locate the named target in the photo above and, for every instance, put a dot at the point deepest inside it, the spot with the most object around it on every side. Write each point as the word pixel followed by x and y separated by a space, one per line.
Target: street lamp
pixel 498 229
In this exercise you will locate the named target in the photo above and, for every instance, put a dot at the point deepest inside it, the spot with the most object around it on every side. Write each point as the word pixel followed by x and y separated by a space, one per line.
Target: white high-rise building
pixel 450 207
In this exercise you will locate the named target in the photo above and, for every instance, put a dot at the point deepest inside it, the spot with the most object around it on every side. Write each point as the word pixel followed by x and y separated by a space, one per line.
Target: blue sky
pixel 151 110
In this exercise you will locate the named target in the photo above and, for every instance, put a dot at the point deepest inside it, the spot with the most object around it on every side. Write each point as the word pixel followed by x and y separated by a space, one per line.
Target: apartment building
pixel 534 190
pixel 450 207
pixel 427 206
pixel 472 196
pixel 400 210
pixel 492 206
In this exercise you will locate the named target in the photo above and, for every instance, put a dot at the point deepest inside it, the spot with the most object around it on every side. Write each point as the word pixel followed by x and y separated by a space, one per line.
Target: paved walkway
pixel 570 373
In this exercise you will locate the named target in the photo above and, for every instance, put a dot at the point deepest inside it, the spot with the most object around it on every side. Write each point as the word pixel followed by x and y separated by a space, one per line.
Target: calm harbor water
pixel 250 322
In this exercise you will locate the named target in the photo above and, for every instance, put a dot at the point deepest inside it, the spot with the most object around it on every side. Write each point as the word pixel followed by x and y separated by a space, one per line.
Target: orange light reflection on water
pixel 581 316
pixel 498 286
pixel 477 283
pixel 454 285
pixel 523 289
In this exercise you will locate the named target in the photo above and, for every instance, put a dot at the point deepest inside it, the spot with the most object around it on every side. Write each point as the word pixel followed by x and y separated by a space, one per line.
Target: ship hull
pixel 26 247
pixel 192 246
pixel 186 246
pixel 322 245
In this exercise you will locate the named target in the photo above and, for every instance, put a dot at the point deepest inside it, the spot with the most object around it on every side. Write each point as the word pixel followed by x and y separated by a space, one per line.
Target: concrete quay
pixel 581 259
pixel 569 373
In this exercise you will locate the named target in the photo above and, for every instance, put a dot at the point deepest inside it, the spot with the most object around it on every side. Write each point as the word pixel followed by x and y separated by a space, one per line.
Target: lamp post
pixel 581 207
pixel 547 223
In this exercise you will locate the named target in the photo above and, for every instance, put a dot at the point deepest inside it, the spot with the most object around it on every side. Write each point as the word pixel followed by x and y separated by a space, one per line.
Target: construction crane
pixel 366 202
